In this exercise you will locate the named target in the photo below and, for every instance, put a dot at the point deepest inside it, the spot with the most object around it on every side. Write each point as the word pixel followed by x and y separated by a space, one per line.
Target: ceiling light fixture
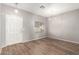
pixel 16 10
pixel 42 6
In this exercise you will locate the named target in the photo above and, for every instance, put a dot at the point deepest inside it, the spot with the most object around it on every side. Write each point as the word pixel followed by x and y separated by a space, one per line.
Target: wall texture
pixel 28 19
pixel 65 26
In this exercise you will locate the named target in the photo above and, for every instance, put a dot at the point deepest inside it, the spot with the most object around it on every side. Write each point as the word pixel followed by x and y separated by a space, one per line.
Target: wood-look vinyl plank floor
pixel 45 46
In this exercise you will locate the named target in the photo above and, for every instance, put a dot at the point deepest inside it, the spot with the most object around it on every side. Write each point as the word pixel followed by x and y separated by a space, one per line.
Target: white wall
pixel 28 19
pixel 65 26
pixel 2 27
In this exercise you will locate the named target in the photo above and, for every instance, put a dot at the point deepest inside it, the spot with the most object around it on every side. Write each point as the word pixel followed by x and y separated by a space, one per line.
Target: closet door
pixel 14 26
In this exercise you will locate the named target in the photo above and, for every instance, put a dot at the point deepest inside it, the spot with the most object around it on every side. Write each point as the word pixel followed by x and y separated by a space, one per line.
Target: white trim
pixel 23 41
pixel 63 39
pixel 35 39
pixel 9 44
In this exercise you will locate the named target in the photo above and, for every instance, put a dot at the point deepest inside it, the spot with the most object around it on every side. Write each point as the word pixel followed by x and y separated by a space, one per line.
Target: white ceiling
pixel 49 10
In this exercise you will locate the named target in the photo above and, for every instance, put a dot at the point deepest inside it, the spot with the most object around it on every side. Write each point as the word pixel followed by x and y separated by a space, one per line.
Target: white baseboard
pixel 63 39
pixel 24 41
pixel 35 39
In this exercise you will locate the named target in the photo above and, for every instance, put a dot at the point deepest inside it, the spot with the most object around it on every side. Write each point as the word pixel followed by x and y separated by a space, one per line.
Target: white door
pixel 14 26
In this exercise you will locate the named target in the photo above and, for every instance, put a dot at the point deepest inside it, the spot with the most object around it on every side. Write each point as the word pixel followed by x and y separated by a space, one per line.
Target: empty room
pixel 39 28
